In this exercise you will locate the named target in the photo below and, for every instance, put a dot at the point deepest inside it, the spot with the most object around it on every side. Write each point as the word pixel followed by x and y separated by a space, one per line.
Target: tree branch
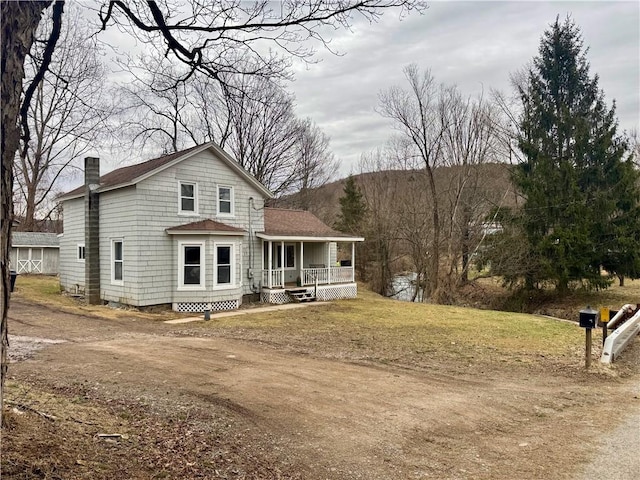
pixel 58 8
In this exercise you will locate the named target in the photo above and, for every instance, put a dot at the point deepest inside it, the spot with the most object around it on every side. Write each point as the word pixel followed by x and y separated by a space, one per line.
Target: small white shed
pixel 35 252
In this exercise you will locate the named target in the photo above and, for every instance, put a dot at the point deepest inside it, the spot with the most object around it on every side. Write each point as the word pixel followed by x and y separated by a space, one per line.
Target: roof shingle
pixel 206 225
pixel 128 174
pixel 34 239
pixel 287 222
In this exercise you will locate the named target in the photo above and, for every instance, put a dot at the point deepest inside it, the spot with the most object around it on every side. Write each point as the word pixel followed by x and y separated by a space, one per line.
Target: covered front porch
pixel 300 258
pixel 289 264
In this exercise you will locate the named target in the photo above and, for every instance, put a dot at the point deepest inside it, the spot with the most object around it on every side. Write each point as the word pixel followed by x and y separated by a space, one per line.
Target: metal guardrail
pixel 617 341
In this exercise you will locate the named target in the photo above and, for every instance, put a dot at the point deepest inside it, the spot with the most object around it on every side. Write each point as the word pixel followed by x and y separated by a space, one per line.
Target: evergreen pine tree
pixel 352 209
pixel 574 164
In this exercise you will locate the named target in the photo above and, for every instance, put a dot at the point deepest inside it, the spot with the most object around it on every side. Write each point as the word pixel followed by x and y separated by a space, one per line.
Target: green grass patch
pixel 43 289
pixel 390 330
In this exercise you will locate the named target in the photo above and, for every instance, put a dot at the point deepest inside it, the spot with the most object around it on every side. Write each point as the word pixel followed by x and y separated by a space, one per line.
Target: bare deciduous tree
pixel 315 164
pixel 264 131
pixel 66 116
pixel 471 140
pixel 252 117
pixel 445 140
pixel 19 22
pixel 226 38
pixel 380 193
pixel 418 114
pixel 155 110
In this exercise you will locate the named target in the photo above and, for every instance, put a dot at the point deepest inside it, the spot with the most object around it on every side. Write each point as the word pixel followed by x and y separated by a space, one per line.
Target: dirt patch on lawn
pixel 194 403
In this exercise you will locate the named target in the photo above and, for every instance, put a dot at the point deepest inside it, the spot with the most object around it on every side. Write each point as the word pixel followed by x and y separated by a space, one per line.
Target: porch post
pixel 329 263
pixel 301 263
pixel 269 256
pixel 282 263
pixel 262 260
pixel 353 261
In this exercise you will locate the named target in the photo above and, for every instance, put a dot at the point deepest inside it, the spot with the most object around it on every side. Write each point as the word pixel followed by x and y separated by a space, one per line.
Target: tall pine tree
pixel 352 209
pixel 574 164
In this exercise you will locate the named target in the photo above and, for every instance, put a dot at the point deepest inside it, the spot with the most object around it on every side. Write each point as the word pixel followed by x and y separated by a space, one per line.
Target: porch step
pixel 301 295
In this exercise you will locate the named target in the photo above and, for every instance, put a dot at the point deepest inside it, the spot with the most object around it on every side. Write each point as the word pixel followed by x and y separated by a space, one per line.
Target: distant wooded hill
pixel 493 183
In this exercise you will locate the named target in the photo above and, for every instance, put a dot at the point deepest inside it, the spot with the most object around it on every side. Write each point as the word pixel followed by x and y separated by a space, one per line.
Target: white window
pixel 224 275
pixel 289 256
pixel 188 201
pixel 81 253
pixel 117 262
pixel 191 268
pixel 225 201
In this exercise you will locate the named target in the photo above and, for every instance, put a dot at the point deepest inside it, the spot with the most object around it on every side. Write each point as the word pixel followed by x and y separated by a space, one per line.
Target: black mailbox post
pixel 588 320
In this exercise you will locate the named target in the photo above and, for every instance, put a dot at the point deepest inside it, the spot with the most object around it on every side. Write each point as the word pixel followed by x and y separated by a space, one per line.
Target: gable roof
pixel 35 239
pixel 127 176
pixel 281 223
pixel 207 226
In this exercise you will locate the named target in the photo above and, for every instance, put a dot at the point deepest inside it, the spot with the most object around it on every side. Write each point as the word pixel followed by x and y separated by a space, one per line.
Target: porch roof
pixel 288 224
pixel 207 227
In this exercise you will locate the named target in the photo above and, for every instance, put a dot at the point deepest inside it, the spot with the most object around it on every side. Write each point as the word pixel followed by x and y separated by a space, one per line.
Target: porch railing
pixel 327 275
pixel 324 276
pixel 309 276
pixel 276 278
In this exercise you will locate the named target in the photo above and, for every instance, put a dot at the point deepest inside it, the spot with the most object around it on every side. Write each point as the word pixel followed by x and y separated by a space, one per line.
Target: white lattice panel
pixel 325 293
pixel 337 292
pixel 224 305
pixel 199 307
pixel 277 297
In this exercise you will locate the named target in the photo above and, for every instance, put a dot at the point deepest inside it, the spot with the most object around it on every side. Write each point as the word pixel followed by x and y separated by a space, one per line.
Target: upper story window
pixel 81 252
pixel 225 201
pixel 188 202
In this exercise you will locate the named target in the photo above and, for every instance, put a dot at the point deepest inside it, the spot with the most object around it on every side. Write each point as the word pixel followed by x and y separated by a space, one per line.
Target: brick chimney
pixel 92 230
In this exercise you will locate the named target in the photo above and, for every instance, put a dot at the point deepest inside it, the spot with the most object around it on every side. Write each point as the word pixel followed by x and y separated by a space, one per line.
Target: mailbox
pixel 589 318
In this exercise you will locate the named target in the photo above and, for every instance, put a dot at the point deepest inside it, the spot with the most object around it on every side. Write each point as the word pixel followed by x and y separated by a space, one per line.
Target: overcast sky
pixel 475 45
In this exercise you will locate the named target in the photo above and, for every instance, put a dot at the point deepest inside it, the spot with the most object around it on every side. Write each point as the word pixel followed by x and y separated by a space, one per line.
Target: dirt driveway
pixel 283 414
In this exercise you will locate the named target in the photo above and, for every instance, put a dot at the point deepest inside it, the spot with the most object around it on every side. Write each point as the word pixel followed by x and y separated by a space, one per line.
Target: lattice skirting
pixel 325 293
pixel 277 297
pixel 337 292
pixel 199 307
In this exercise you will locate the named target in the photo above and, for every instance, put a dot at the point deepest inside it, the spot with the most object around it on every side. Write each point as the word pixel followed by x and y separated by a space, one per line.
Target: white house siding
pixel 72 270
pixel 118 220
pixel 157 210
pixel 315 254
pixel 333 253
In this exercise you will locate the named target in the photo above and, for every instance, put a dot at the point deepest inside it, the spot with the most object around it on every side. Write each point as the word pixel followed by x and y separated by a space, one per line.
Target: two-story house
pixel 191 229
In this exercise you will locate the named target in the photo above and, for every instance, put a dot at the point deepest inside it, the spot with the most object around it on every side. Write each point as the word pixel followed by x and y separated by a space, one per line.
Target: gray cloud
pixel 475 45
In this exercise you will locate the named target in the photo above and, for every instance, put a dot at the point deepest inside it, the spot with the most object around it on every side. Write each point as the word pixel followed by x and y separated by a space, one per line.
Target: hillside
pixel 495 185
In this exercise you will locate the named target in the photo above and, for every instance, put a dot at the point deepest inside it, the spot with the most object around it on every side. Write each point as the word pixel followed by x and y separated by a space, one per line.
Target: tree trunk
pixel 19 23
pixel 434 274
pixel 621 280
